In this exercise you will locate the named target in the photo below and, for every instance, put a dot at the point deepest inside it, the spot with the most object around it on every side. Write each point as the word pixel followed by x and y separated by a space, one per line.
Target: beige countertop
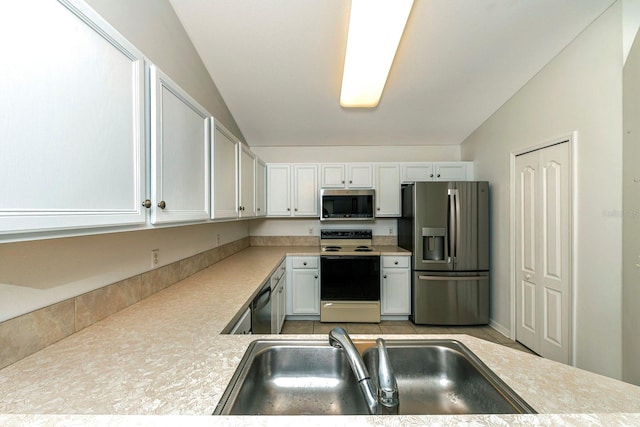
pixel 164 357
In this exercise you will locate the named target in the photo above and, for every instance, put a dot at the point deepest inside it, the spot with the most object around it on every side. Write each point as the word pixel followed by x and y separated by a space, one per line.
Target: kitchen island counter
pixel 165 357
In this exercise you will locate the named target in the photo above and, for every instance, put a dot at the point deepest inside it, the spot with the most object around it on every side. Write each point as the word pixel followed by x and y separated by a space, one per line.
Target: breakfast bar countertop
pixel 164 358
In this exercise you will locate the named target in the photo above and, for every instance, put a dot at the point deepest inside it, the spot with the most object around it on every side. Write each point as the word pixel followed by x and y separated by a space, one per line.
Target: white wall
pixel 39 273
pixel 581 90
pixel 388 153
pixel 631 217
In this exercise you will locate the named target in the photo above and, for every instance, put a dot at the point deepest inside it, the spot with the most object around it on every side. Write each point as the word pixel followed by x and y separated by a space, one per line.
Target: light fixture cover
pixel 375 29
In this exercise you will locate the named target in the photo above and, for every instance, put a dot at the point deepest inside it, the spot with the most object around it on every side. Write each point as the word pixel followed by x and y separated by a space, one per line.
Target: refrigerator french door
pixel 446 227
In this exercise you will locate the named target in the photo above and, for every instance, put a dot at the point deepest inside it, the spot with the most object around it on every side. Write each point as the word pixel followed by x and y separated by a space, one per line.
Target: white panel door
pixel 72 141
pixel 543 269
pixel 180 141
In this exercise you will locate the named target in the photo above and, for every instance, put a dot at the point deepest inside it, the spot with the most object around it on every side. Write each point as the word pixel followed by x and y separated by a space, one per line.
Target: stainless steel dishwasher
pixel 261 311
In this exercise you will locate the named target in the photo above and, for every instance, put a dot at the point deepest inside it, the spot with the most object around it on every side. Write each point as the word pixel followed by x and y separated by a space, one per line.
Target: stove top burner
pixel 363 249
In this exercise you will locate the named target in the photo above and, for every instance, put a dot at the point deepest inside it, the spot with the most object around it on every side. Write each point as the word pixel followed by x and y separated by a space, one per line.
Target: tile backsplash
pixel 31 332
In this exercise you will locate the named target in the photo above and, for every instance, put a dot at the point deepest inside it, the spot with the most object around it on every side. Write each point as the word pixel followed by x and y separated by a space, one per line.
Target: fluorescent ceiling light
pixel 375 29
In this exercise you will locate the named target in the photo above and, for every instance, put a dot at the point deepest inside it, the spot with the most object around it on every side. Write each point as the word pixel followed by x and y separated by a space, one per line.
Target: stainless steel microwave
pixel 352 205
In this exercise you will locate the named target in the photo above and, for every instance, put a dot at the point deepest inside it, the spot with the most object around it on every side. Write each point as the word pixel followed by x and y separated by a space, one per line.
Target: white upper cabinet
pixel 225 173
pixel 440 171
pixel 388 190
pixel 247 180
pixel 261 188
pixel 279 190
pixel 180 141
pixel 305 190
pixel 292 190
pixel 349 175
pixel 72 150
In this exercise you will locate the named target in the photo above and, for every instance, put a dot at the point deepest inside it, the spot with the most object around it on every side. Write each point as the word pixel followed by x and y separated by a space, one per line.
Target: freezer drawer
pixel 450 300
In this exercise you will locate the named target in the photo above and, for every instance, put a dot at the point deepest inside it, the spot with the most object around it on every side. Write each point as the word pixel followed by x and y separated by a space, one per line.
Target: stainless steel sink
pixel 445 377
pixel 295 377
pixel 292 378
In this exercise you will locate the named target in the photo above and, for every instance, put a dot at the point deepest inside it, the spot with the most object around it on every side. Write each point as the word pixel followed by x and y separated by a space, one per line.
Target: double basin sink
pixel 310 377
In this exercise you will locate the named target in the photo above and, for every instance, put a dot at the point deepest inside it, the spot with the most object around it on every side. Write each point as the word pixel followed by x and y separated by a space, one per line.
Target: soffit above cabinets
pixel 278 65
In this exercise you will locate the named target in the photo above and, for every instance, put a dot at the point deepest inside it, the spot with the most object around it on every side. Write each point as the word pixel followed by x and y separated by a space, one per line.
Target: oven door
pixel 350 278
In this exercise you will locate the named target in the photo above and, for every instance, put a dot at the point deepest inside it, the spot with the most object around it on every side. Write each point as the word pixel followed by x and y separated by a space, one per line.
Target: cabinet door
pixel 395 294
pixel 360 176
pixel 417 172
pixel 305 193
pixel 279 190
pixel 450 172
pixel 224 174
pixel 179 153
pixel 388 190
pixel 332 176
pixel 305 292
pixel 72 144
pixel 246 195
pixel 261 188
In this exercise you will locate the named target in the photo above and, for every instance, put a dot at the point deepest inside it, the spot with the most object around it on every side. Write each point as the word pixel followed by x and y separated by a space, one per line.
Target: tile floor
pixel 400 327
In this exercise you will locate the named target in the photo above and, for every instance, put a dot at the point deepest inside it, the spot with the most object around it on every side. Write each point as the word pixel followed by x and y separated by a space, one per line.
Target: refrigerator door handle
pixel 454 223
pixel 456 199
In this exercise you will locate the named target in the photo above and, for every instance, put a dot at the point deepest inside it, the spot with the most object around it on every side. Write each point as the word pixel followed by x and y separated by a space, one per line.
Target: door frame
pixel 572 140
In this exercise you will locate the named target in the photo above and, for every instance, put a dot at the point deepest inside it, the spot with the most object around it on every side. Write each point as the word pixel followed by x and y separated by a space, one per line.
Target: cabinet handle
pixel 258 209
pixel 378 208
pixel 288 209
pixel 343 181
pixel 304 263
pixel 438 175
pixel 395 262
pixel 147 203
pixel 385 276
pixel 431 176
pixel 316 276
pixel 527 276
pixel 295 209
pixel 162 204
pixel 350 182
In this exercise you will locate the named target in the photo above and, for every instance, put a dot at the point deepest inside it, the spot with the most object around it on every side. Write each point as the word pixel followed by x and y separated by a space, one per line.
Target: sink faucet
pixel 381 398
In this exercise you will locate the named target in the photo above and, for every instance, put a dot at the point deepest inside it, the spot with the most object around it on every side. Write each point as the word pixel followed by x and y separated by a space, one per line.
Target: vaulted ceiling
pixel 278 65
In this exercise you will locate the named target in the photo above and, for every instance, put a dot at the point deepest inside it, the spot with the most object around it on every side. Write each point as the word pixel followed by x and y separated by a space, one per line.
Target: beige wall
pixel 580 90
pixel 631 218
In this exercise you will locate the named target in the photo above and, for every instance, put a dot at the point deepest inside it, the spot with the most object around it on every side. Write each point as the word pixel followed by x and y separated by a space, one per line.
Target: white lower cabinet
pixel 395 294
pixel 303 285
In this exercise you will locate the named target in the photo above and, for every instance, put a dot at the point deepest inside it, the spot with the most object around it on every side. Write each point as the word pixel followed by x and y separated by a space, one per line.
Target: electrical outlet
pixel 310 231
pixel 155 257
pixel 390 231
pixel 217 239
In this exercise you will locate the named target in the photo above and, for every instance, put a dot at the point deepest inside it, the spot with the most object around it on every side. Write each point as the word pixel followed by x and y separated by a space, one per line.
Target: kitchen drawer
pixel 305 262
pixel 395 261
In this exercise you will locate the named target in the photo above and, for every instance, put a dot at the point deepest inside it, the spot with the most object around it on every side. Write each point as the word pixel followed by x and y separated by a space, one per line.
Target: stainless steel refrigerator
pixel 446 227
